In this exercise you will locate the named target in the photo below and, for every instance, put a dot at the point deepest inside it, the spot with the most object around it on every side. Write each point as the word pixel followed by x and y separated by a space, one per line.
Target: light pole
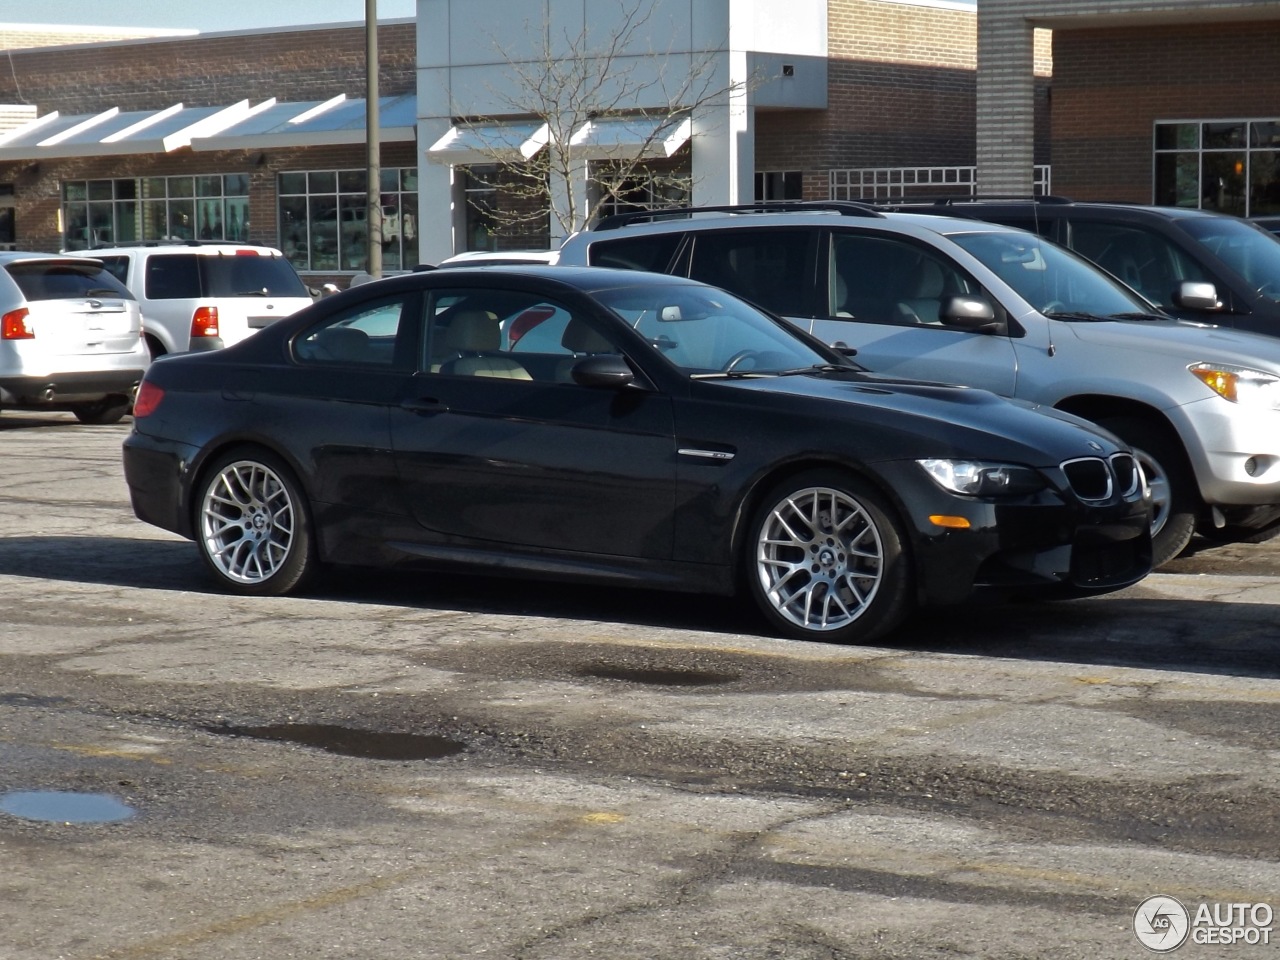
pixel 373 216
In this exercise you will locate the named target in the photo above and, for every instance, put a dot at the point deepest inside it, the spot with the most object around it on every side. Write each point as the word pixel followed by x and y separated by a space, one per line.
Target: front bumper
pixel 1050 544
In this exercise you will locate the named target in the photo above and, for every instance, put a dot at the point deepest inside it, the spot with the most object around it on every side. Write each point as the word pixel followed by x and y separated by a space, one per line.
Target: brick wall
pixel 901 92
pixel 1112 85
pixel 301 64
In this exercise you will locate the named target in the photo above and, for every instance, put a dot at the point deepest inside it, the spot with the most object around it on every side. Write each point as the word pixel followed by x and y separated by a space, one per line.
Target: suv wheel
pixel 1173 492
pixel 106 410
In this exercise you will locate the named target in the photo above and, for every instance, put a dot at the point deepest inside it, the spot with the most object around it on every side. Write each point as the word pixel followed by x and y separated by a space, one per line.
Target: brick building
pixel 1165 101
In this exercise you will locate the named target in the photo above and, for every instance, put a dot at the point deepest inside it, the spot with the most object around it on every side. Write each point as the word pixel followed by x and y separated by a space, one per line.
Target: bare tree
pixel 571 85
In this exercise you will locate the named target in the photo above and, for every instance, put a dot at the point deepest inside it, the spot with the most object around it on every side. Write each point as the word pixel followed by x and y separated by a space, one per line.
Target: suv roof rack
pixel 844 207
pixel 948 201
pixel 175 243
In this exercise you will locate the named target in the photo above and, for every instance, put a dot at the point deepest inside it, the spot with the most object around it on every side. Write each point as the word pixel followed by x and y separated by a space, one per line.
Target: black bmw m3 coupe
pixel 611 426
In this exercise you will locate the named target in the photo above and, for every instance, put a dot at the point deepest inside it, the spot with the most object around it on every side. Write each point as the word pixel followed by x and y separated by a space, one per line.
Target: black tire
pixel 1235 533
pixel 253 525
pixel 1173 486
pixel 106 410
pixel 824 560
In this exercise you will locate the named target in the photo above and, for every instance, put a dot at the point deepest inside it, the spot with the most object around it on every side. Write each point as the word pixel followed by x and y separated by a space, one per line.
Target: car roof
pixel 179 246
pixel 1050 206
pixel 587 279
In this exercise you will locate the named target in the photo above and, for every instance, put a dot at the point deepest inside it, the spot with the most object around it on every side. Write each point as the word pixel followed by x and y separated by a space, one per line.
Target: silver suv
pixel 70 337
pixel 197 295
pixel 937 298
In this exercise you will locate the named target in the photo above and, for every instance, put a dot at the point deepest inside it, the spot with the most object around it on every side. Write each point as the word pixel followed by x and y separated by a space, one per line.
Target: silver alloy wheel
pixel 1158 484
pixel 820 558
pixel 247 522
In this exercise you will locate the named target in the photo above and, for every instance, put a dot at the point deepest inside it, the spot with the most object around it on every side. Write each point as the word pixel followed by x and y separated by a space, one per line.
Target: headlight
pixel 1239 384
pixel 982 478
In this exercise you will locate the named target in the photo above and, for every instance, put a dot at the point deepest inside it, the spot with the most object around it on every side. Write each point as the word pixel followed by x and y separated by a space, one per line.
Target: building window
pixel 323 214
pixel 1232 166
pixel 8 230
pixel 100 213
pixel 632 189
pixel 507 206
pixel 788 185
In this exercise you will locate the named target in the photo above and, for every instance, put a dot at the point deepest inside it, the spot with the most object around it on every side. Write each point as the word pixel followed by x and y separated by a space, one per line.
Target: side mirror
pixel 1197 296
pixel 606 370
pixel 969 313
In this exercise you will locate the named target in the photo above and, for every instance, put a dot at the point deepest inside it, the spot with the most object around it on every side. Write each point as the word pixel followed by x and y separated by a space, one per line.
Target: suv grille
pixel 1094 479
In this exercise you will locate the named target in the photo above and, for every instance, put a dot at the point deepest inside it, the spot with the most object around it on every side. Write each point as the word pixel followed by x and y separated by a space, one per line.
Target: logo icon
pixel 1161 924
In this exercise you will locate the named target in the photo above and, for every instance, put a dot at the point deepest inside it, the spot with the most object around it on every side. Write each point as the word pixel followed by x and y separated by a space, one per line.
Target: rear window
pixel 183 276
pixel 65 281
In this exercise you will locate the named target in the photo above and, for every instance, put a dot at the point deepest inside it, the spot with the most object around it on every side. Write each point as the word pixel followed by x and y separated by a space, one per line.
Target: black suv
pixel 1168 254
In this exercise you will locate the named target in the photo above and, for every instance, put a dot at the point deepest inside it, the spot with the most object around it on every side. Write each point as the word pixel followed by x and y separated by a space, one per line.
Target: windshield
pixel 1249 251
pixel 705 331
pixel 1052 279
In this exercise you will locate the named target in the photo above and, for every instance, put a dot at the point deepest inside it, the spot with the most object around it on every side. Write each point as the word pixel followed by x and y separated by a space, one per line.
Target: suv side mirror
pixel 969 313
pixel 1197 296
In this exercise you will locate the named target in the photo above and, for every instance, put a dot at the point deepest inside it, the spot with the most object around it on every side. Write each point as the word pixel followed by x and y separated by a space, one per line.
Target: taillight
pixel 147 400
pixel 14 326
pixel 205 322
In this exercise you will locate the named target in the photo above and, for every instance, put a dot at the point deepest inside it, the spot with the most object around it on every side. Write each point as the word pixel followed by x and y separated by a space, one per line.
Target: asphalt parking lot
pixel 428 766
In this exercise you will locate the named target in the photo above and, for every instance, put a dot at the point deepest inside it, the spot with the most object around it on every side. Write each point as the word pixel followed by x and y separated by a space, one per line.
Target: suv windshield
pixel 708 331
pixel 1246 249
pixel 1052 279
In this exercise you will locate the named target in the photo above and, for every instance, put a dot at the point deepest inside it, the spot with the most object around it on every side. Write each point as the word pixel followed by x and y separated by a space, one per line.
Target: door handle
pixel 424 406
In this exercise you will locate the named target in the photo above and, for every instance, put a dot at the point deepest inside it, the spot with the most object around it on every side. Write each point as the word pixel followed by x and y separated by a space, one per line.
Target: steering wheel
pixel 737 358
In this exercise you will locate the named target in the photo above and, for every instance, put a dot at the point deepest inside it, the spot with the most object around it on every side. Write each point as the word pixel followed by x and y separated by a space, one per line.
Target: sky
pixel 197 15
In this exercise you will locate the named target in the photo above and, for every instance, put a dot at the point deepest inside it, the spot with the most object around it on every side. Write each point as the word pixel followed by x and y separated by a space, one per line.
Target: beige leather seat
pixel 476 339
pixel 925 303
pixel 582 341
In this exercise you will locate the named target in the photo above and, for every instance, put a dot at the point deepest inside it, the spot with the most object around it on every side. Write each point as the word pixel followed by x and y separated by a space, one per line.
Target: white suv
pixel 200 296
pixel 961 301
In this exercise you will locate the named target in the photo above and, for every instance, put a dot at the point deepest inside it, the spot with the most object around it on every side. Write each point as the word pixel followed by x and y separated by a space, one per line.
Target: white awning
pixel 489 143
pixel 315 124
pixel 630 137
pixel 240 126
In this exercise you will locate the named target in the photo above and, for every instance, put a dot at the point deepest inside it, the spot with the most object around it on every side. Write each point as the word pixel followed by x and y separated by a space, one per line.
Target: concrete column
pixel 724 152
pixel 1005 100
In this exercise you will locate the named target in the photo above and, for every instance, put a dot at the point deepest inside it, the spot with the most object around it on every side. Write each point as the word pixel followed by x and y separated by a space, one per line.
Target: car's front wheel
pixel 253 527
pixel 826 560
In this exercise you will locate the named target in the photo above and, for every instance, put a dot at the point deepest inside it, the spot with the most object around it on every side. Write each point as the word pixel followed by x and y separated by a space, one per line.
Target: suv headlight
pixel 1239 384
pixel 983 478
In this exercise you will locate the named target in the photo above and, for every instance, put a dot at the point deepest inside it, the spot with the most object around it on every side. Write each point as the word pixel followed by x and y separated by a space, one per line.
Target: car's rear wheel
pixel 1174 499
pixel 106 410
pixel 253 526
pixel 826 560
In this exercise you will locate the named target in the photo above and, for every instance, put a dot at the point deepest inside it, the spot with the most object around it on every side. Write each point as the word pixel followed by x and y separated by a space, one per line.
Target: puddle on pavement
pixel 29 700
pixel 658 676
pixel 350 742
pixel 60 806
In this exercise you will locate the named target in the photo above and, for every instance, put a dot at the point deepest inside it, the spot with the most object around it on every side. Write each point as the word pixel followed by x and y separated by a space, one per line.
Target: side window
pixel 879 279
pixel 362 336
pixel 172 277
pixel 118 267
pixel 1142 258
pixel 652 253
pixel 771 268
pixel 507 334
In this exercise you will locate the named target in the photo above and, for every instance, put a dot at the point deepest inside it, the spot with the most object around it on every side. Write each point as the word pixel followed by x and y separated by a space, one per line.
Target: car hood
pixel 1184 340
pixel 970 421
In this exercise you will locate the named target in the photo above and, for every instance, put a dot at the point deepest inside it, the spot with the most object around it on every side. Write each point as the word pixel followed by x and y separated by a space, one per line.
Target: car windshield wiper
pixel 260 292
pixel 1077 315
pixel 820 368
pixel 1139 316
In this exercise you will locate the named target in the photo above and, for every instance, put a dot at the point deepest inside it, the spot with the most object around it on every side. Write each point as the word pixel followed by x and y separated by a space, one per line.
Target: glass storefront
pixel 1226 165
pixel 102 213
pixel 323 214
